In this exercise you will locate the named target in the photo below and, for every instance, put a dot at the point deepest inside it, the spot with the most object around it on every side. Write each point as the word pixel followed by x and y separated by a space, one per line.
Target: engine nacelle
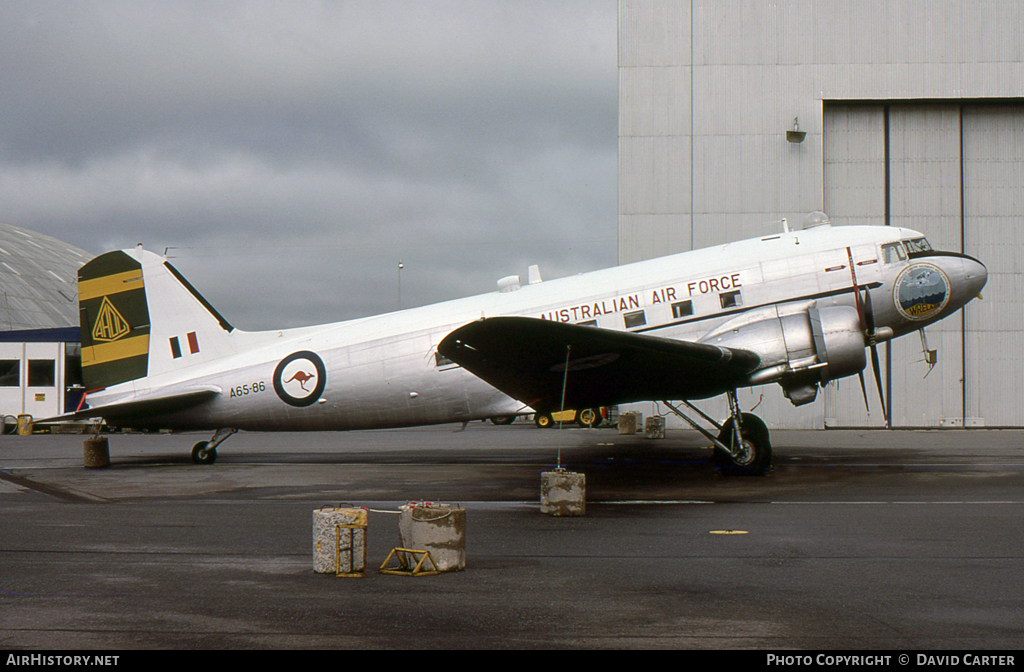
pixel 838 341
pixel 800 350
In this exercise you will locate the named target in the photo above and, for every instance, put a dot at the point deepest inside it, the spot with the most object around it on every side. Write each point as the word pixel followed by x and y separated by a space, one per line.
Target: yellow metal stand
pixel 403 568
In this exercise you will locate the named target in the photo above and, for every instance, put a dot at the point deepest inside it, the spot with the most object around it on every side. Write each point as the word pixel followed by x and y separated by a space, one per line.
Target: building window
pixel 588 323
pixel 730 299
pixel 635 319
pixel 682 309
pixel 41 373
pixel 9 373
pixel 72 364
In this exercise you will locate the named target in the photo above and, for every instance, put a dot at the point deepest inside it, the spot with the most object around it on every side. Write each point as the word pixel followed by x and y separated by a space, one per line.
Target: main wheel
pixel 754 457
pixel 203 454
pixel 543 420
pixel 589 417
pixel 503 419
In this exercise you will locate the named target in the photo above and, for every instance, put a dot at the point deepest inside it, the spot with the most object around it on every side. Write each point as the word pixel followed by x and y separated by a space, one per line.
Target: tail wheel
pixel 543 420
pixel 589 417
pixel 202 453
pixel 754 455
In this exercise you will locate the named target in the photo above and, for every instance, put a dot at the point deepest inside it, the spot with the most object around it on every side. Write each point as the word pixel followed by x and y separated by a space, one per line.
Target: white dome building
pixel 40 355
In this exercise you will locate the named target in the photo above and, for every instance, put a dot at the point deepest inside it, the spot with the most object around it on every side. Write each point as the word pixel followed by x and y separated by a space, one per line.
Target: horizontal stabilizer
pixel 527 359
pixel 143 406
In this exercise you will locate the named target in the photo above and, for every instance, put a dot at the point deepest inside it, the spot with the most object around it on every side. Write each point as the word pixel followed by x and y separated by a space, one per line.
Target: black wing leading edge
pixel 526 358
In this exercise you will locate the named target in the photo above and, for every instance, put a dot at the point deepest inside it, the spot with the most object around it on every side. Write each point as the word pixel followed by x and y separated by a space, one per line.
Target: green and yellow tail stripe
pixel 105 353
pixel 111 284
pixel 114 320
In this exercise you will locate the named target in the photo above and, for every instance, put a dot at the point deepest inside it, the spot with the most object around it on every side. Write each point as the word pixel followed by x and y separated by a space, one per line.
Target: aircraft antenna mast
pixel 400 267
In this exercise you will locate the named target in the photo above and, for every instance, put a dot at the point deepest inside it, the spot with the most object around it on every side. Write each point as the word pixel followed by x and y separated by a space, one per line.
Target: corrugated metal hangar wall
pixel 914 113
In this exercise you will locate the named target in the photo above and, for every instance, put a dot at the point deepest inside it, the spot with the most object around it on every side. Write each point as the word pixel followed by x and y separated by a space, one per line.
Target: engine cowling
pixel 800 350
pixel 838 341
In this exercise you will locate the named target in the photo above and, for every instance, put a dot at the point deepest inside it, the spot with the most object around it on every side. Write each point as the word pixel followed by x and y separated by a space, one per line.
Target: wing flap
pixel 527 359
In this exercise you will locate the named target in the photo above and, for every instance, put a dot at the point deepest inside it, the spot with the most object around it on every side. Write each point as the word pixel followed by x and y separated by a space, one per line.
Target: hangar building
pixel 913 115
pixel 40 354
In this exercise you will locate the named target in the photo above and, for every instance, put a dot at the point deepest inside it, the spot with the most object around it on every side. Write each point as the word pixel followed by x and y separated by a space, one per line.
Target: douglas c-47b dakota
pixel 797 308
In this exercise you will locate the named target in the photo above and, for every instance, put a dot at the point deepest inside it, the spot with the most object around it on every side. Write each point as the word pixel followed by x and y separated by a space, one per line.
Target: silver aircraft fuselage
pixel 384 371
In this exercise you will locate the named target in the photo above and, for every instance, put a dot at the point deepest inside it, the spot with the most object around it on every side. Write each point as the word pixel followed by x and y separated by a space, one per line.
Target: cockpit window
pixel 917 245
pixel 892 253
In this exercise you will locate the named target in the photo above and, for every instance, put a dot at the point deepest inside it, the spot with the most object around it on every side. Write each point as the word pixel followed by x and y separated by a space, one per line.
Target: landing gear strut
pixel 205 452
pixel 742 447
pixel 751 450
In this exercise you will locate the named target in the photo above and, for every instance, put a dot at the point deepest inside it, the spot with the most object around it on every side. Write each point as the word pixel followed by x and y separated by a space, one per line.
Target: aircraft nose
pixel 967 277
pixel 975 277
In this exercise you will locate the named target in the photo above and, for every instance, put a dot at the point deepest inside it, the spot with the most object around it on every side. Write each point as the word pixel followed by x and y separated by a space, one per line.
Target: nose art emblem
pixel 921 291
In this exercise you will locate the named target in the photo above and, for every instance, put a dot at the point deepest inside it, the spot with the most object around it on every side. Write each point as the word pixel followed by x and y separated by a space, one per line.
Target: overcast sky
pixel 288 154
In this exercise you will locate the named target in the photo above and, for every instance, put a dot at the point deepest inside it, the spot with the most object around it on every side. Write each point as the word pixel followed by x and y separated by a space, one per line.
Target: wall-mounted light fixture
pixel 796 135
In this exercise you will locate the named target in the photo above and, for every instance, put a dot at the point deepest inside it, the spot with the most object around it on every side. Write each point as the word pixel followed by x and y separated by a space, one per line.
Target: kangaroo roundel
pixel 300 378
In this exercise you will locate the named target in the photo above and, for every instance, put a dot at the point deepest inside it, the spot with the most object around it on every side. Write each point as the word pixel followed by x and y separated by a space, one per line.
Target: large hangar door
pixel 924 195
pixel 994 232
pixel 954 171
pixel 854 156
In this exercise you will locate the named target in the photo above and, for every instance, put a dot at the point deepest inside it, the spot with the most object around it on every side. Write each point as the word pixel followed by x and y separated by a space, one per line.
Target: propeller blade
pixel 877 369
pixel 856 290
pixel 864 391
pixel 869 314
pixel 866 313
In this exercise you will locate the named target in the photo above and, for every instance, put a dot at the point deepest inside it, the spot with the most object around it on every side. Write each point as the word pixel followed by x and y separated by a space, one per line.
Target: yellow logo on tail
pixel 110 325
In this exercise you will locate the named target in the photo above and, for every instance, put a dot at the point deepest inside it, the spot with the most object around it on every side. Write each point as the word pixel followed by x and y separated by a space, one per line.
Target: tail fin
pixel 140 317
pixel 115 320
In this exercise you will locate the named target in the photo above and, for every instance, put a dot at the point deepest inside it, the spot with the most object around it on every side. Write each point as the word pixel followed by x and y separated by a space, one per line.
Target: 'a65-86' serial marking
pixel 251 388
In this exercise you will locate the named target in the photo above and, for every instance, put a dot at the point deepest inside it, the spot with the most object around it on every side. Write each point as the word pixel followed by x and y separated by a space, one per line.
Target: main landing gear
pixel 742 447
pixel 205 452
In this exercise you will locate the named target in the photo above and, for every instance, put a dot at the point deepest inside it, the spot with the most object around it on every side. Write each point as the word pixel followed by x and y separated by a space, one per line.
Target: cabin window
pixel 9 372
pixel 682 309
pixel 635 319
pixel 730 299
pixel 892 253
pixel 588 323
pixel 41 373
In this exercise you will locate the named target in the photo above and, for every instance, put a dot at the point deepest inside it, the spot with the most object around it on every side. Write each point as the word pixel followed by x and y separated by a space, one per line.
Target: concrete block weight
pixel 437 528
pixel 563 493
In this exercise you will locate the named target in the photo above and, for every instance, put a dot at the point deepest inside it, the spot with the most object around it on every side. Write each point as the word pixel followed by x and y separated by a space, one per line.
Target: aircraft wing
pixel 141 407
pixel 526 358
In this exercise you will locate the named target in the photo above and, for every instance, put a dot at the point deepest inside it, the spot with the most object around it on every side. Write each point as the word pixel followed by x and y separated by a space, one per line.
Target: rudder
pixel 114 318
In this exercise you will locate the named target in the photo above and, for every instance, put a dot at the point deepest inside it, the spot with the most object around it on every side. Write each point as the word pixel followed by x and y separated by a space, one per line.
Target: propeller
pixel 871 336
pixel 872 340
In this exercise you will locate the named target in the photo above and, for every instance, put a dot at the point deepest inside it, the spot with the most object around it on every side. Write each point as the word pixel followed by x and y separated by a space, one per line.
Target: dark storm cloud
pixel 295 151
